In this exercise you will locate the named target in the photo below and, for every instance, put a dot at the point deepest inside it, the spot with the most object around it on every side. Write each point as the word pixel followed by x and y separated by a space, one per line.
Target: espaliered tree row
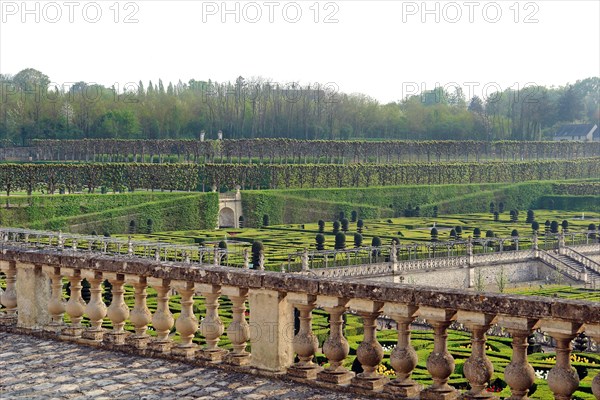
pixel 304 151
pixel 272 176
pixel 53 178
pixel 129 176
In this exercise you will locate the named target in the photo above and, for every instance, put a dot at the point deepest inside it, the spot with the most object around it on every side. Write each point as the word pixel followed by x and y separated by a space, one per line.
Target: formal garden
pixel 326 196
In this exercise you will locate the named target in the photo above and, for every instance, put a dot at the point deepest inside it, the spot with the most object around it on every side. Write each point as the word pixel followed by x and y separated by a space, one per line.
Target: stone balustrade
pixel 34 302
pixel 582 259
pixel 565 269
pixel 67 242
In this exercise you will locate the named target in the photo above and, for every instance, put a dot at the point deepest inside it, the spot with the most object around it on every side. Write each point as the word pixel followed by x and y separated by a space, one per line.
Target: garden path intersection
pixel 34 368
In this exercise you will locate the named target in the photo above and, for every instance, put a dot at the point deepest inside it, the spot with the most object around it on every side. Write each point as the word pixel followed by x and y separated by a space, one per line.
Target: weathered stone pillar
pixel 32 295
pixel 519 374
pixel 593 331
pixel 562 378
pixel 9 296
pixel 394 257
pixel 238 330
pixel 211 327
pixel 96 309
pixel 369 352
pixel 305 259
pixel 336 347
pixel 561 243
pixel 305 343
pixel 162 320
pixel 75 307
pixel 469 252
pixel 118 311
pixel 140 315
pixel 246 259
pixel 440 362
pixel 404 357
pixel 56 305
pixel 271 330
pixel 478 368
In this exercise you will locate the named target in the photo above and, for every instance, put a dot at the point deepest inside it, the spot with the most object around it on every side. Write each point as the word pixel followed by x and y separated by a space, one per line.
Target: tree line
pixel 34 108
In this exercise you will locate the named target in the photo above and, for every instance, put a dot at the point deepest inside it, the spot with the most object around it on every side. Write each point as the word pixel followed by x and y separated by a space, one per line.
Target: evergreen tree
pixel 434 234
pixel 321 224
pixel 345 224
pixel 340 241
pixel 257 248
pixel 358 238
pixel 320 241
pixel 359 225
pixel 530 216
pixel 336 227
pixel 458 231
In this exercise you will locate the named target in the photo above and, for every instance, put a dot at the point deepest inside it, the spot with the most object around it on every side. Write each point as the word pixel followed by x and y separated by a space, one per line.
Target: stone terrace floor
pixel 33 368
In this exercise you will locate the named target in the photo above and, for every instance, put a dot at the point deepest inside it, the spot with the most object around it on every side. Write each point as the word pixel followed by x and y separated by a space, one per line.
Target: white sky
pixel 381 48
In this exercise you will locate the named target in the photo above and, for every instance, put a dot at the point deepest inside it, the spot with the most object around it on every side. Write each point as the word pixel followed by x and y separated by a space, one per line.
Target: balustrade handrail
pixel 524 306
pixel 271 297
pixel 580 258
pixel 559 265
pixel 62 242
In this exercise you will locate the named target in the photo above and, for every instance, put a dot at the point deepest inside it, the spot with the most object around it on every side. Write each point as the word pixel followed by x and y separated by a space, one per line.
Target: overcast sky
pixel 385 49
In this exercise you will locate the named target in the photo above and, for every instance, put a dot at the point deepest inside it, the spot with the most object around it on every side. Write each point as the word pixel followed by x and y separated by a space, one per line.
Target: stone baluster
pixel 211 327
pixel 478 368
pixel 594 332
pixel 305 343
pixel 238 330
pixel 562 378
pixel 440 362
pixel 75 307
pixel 519 374
pixel 9 297
pixel 140 314
pixel 118 311
pixel 96 309
pixel 187 323
pixel 336 346
pixel 56 304
pixel 369 352
pixel 162 319
pixel 404 357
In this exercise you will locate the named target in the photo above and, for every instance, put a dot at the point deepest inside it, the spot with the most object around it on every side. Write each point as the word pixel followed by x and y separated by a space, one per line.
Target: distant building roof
pixel 576 130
